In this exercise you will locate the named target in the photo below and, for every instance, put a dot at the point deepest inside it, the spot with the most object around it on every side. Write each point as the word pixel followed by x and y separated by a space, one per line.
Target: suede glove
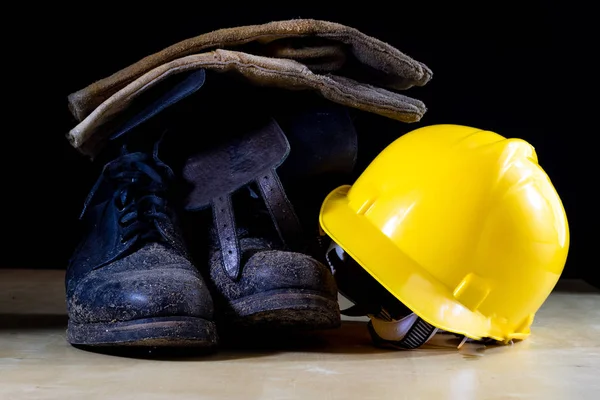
pixel 338 62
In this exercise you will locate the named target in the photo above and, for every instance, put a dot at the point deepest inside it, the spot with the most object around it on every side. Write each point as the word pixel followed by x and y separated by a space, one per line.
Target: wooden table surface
pixel 561 360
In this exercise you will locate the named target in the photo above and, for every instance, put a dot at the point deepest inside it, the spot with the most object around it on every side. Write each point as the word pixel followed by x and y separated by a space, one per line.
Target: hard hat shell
pixel 460 224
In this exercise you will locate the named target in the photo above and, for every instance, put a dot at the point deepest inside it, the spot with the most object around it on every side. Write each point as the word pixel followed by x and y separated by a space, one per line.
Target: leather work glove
pixel 338 62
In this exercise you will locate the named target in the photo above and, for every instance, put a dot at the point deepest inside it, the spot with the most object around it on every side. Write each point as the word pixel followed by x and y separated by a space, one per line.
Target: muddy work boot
pixel 130 282
pixel 259 268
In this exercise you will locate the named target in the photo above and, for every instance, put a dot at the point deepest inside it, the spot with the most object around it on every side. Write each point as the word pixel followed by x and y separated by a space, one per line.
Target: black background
pixel 494 68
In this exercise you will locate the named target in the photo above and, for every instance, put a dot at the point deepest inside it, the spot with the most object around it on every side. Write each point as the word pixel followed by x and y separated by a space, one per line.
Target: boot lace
pixel 140 182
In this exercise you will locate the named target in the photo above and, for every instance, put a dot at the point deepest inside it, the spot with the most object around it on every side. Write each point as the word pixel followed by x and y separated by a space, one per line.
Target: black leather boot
pixel 130 282
pixel 260 269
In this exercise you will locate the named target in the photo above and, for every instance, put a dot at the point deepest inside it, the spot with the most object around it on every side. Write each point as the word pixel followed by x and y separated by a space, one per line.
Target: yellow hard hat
pixel 459 224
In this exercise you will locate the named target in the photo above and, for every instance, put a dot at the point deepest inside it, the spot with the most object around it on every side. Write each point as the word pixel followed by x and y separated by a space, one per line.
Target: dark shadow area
pixel 350 339
pixel 152 353
pixel 575 286
pixel 31 322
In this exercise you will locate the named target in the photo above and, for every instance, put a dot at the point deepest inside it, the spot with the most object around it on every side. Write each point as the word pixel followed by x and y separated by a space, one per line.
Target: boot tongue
pixel 155 101
pixel 142 125
pixel 245 155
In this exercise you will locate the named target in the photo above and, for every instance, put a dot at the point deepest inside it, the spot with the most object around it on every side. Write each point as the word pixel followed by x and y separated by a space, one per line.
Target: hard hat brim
pixel 402 276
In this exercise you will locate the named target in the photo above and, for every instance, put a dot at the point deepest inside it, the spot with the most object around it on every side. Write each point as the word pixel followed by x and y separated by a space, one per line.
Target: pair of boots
pixel 183 242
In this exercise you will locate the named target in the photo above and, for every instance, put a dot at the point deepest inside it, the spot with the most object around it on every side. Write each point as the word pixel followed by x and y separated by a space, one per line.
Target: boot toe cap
pixel 105 296
pixel 277 270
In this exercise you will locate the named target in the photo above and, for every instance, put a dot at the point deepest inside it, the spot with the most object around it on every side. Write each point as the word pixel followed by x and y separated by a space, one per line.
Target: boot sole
pixel 149 332
pixel 285 309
